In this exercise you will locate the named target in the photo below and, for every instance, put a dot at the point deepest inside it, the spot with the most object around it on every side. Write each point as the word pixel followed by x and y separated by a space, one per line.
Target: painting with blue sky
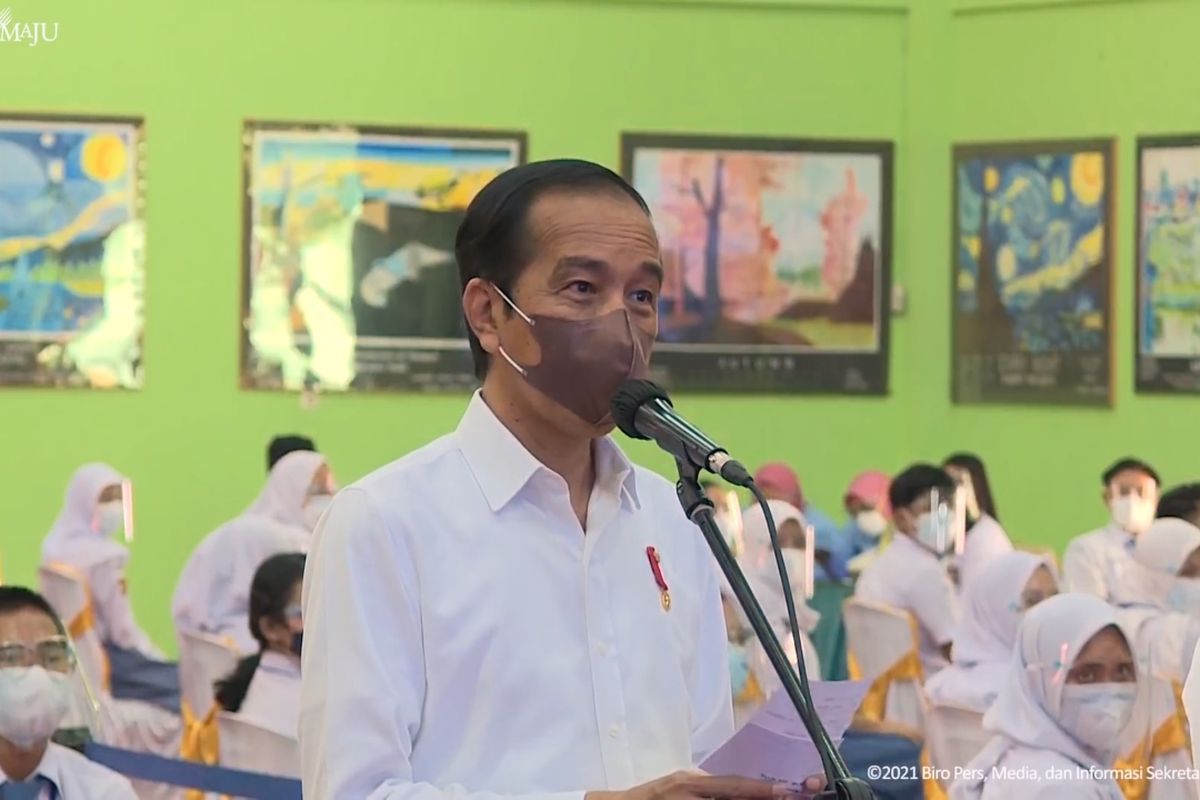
pixel 350 281
pixel 71 252
pixel 1032 273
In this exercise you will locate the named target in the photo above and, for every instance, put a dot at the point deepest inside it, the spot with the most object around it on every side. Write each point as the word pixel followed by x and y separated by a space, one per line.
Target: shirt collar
pixel 906 543
pixel 503 467
pixel 47 769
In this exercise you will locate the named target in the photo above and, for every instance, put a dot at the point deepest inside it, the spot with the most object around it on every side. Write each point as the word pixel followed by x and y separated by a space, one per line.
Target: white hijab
pixel 1025 714
pixel 992 610
pixel 758 563
pixel 213 593
pixel 74 538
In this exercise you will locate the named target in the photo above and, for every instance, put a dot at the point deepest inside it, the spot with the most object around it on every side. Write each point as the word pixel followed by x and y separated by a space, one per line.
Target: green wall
pixel 574 73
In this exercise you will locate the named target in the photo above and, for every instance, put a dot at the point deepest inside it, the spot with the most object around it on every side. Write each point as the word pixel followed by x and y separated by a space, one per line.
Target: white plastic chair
pixel 67 591
pixel 955 735
pixel 878 639
pixel 251 747
pixel 203 660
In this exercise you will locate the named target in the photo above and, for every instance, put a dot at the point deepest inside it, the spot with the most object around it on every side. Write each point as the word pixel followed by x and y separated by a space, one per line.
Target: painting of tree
pixel 770 248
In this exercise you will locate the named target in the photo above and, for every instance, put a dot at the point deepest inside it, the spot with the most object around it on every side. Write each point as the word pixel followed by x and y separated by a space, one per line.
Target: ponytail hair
pixel 270 592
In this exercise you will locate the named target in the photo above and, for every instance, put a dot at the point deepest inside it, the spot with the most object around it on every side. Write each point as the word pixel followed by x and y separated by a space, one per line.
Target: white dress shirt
pixel 1095 563
pixel 909 577
pixel 273 699
pixel 77 778
pixel 465 638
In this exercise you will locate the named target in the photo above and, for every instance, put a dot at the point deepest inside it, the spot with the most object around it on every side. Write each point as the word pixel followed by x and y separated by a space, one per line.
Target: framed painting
pixel 1168 265
pixel 777 255
pixel 72 251
pixel 349 278
pixel 1032 273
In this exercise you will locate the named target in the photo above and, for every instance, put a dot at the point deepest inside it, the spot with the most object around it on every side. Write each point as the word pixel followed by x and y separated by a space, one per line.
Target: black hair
pixel 492 241
pixel 280 446
pixel 973 464
pixel 1129 464
pixel 918 480
pixel 270 592
pixel 18 598
pixel 1181 502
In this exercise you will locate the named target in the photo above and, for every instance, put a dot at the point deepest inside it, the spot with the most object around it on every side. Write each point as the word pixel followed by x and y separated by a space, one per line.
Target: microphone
pixel 643 410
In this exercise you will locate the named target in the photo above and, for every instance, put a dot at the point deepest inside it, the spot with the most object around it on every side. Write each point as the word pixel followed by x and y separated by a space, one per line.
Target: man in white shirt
pixel 911 573
pixel 35 694
pixel 516 609
pixel 1095 562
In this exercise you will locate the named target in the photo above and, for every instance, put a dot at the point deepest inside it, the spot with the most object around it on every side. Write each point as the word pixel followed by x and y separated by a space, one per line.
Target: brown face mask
pixel 583 361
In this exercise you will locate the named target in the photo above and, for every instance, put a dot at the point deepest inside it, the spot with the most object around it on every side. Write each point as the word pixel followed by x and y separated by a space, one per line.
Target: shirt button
pixel 602 649
pixel 614 731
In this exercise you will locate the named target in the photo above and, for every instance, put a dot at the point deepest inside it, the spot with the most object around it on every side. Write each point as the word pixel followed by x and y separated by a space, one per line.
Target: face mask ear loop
pixel 520 370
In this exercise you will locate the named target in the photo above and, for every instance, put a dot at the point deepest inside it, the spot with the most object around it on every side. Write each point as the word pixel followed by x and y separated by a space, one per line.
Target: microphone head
pixel 632 395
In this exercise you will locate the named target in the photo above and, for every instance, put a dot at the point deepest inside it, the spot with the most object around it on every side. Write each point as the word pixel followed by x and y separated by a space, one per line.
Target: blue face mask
pixel 1184 595
pixel 739 669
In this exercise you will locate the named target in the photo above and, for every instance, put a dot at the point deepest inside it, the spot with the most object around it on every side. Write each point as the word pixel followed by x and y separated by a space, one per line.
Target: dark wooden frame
pixel 1181 364
pixel 822 379
pixel 1106 146
pixel 138 123
pixel 251 126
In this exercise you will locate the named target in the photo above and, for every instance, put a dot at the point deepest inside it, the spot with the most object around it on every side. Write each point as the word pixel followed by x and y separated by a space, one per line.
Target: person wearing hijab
pixel 1158 603
pixel 1096 562
pixel 778 481
pixel 993 605
pixel 212 596
pixel 985 539
pixel 749 660
pixel 265 687
pixel 869 514
pixel 911 574
pixel 1066 700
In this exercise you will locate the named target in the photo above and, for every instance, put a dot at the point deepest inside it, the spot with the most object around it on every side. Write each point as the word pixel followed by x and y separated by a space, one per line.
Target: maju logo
pixel 30 33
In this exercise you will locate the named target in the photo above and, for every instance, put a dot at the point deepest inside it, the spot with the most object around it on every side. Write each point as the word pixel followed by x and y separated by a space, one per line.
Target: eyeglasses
pixel 55 654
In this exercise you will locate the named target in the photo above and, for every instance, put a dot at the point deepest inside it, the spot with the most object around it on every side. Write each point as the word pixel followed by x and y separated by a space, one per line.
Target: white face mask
pixel 1185 596
pixel 934 534
pixel 314 508
pixel 1096 714
pixel 1134 514
pixel 873 523
pixel 33 701
pixel 110 518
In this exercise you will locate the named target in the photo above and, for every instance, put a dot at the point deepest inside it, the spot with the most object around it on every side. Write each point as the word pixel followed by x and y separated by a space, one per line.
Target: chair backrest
pixel 251 747
pixel 67 591
pixel 203 660
pixel 955 735
pixel 877 636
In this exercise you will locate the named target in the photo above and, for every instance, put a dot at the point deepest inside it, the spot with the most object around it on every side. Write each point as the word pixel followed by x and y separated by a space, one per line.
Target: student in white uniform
pixel 35 695
pixel 1158 601
pixel 993 605
pixel 985 539
pixel 1095 562
pixel 762 573
pixel 265 687
pixel 516 609
pixel 1068 697
pixel 84 538
pixel 212 595
pixel 910 574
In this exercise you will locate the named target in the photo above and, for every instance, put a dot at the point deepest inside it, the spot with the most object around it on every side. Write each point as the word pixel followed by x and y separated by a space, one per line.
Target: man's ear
pixel 483 318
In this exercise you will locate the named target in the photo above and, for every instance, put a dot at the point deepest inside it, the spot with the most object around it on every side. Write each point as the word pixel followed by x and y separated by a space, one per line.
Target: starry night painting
pixel 71 252
pixel 1033 273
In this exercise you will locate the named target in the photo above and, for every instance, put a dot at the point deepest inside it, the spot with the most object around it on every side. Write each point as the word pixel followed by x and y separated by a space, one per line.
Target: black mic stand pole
pixel 699 509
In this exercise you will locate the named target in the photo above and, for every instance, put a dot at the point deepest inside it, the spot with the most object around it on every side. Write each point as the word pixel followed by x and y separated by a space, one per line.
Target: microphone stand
pixel 699 509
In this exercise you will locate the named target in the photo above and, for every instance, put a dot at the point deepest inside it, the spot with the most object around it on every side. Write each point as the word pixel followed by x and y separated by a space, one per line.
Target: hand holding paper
pixel 773 745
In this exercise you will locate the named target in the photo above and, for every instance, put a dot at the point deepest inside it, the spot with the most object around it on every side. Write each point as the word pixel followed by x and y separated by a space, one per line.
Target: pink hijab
pixel 871 487
pixel 781 480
